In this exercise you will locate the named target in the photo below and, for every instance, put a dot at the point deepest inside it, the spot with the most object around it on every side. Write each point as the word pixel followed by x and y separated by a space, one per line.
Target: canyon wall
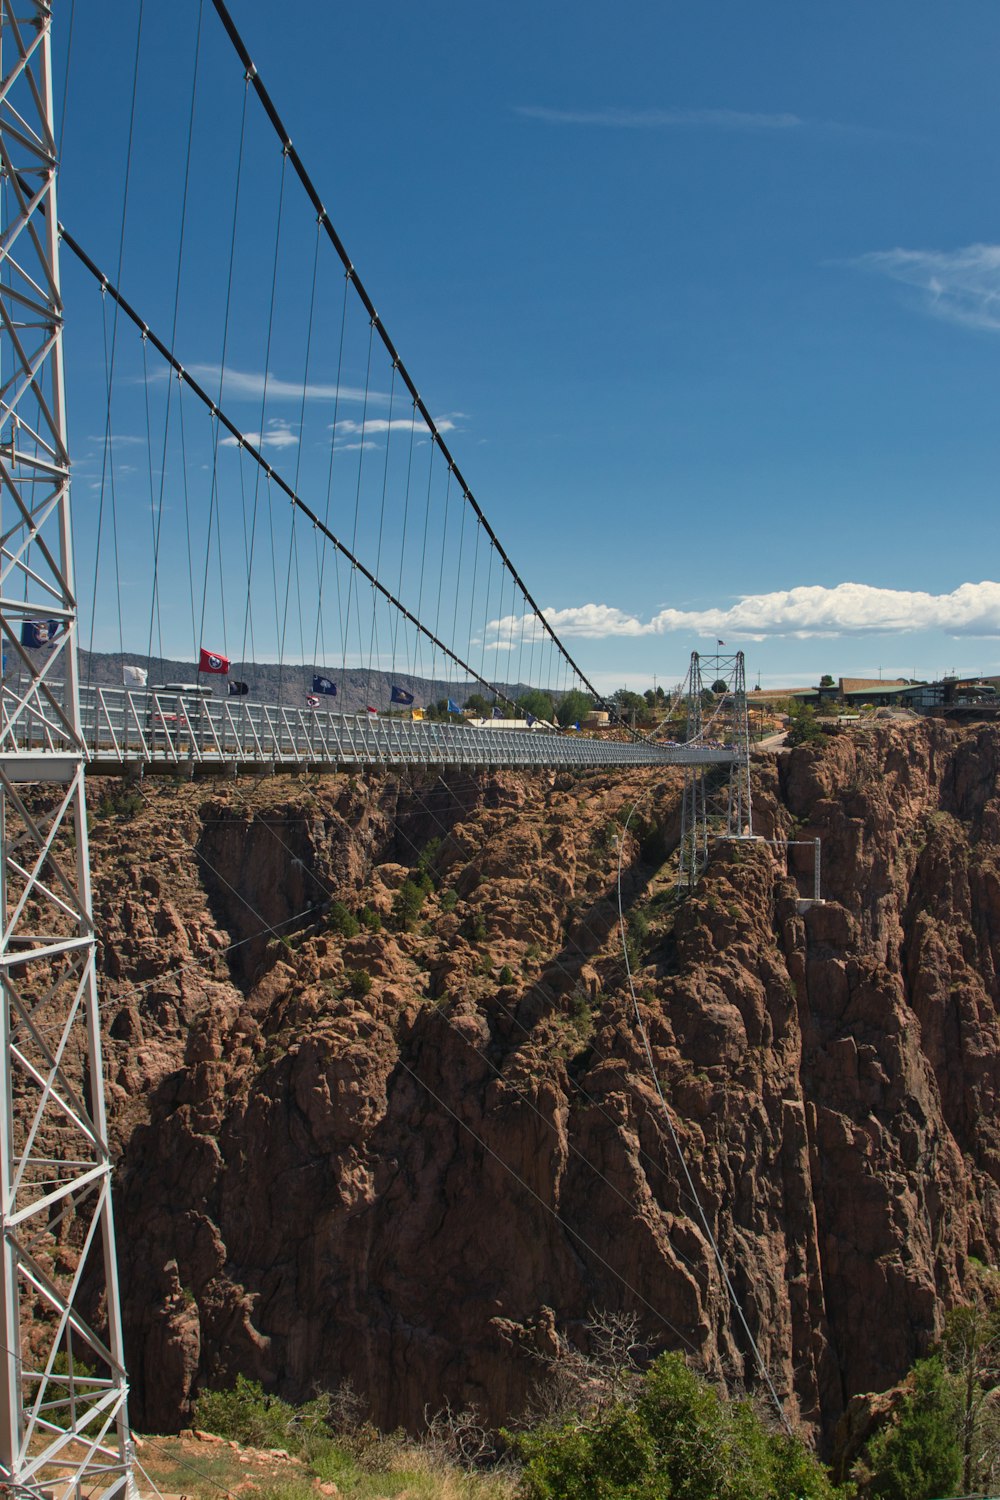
pixel 415 1155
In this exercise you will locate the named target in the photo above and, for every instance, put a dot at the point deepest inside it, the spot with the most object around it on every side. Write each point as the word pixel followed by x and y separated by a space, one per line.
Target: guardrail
pixel 166 729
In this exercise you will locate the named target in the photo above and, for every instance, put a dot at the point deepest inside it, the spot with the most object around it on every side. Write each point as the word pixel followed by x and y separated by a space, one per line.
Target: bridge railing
pixel 125 727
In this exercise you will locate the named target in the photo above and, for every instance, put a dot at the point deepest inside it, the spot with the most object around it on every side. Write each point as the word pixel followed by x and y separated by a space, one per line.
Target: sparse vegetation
pixel 331 1442
pixel 408 903
pixel 359 982
pixel 341 920
pixel 120 801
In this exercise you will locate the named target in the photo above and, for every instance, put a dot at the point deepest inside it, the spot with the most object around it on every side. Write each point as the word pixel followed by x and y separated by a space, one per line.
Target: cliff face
pixel 415 1185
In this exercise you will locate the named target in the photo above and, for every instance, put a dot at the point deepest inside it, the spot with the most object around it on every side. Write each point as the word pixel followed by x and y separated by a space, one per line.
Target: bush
pixel 247 1414
pixel 477 928
pixel 506 975
pixel 359 982
pixel 370 920
pixel 342 921
pixel 677 1437
pixel 449 900
pixel 121 802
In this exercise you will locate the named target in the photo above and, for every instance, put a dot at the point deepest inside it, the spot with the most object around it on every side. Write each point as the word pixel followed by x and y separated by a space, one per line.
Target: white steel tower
pixel 63 1392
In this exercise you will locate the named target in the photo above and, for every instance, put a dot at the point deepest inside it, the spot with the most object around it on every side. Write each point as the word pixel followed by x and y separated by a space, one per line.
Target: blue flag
pixel 453 707
pixel 399 695
pixel 497 712
pixel 530 719
pixel 325 685
pixel 36 633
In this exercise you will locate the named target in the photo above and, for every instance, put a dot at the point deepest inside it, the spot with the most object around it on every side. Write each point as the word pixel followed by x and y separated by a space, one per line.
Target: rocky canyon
pixel 382 1109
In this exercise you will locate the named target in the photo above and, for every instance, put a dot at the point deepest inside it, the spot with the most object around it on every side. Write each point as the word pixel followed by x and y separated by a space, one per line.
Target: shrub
pixel 506 975
pixel 477 928
pixel 359 982
pixel 371 920
pixel 449 900
pixel 676 1437
pixel 121 802
pixel 342 921
pixel 247 1414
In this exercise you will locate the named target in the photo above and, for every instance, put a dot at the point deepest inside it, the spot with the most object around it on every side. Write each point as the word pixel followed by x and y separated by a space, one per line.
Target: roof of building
pixel 872 684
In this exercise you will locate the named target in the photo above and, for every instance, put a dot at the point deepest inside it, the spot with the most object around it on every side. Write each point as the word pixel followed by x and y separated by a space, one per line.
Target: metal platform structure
pixel 63 1423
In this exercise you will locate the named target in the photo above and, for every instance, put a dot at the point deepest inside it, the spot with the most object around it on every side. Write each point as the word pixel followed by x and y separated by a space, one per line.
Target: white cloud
pixel 613 118
pixel 249 385
pixel 277 434
pixel 375 425
pixel 972 609
pixel 962 286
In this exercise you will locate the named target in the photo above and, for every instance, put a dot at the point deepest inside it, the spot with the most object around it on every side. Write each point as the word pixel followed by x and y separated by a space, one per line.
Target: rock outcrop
pixel 411 1153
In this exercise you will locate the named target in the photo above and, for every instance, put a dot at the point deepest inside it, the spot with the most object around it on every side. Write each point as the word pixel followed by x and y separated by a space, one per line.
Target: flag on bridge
pixel 416 714
pixel 238 689
pixel 497 712
pixel 134 676
pixel 718 642
pixel 325 685
pixel 312 701
pixel 453 707
pixel 36 633
pixel 400 695
pixel 373 711
pixel 530 720
pixel 212 661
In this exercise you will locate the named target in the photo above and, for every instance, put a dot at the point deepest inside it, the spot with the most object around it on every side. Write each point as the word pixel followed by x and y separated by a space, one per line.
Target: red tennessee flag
pixel 372 710
pixel 211 661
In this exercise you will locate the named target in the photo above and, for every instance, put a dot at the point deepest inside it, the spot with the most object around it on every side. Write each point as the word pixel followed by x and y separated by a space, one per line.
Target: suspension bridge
pixel 302 516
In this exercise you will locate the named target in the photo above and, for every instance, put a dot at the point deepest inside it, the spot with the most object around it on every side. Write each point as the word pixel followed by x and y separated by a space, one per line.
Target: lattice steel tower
pixel 715 801
pixel 62 1381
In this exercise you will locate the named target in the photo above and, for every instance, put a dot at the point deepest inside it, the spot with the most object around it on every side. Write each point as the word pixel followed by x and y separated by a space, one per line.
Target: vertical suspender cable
pixel 225 349
pixel 321 559
pixel 154 607
pixel 357 500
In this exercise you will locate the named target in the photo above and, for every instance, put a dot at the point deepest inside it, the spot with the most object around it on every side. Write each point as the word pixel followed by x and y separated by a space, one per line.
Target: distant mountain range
pixel 267 682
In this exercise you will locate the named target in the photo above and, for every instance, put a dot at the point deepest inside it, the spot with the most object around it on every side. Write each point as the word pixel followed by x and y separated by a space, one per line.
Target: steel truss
pixel 63 1391
pixel 714 805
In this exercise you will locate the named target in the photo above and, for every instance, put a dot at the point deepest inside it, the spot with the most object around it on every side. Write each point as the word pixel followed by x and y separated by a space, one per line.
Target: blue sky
pixel 706 298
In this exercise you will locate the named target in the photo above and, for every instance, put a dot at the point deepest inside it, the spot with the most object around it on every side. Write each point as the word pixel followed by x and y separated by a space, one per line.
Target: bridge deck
pixel 172 732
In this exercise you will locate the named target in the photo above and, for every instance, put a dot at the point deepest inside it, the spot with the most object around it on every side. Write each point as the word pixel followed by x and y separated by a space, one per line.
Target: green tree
pixel 537 703
pixel 970 1348
pixel 478 705
pixel 918 1455
pixel 677 1437
pixel 632 707
pixel 572 707
pixel 826 680
pixel 720 686
pixel 804 728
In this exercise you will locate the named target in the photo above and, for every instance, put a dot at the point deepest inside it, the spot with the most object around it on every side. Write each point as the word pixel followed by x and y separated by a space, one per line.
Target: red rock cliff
pixel 415 1186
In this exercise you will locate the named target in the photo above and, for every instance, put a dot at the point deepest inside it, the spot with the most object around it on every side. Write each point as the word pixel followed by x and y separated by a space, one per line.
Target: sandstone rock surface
pixel 416 1185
